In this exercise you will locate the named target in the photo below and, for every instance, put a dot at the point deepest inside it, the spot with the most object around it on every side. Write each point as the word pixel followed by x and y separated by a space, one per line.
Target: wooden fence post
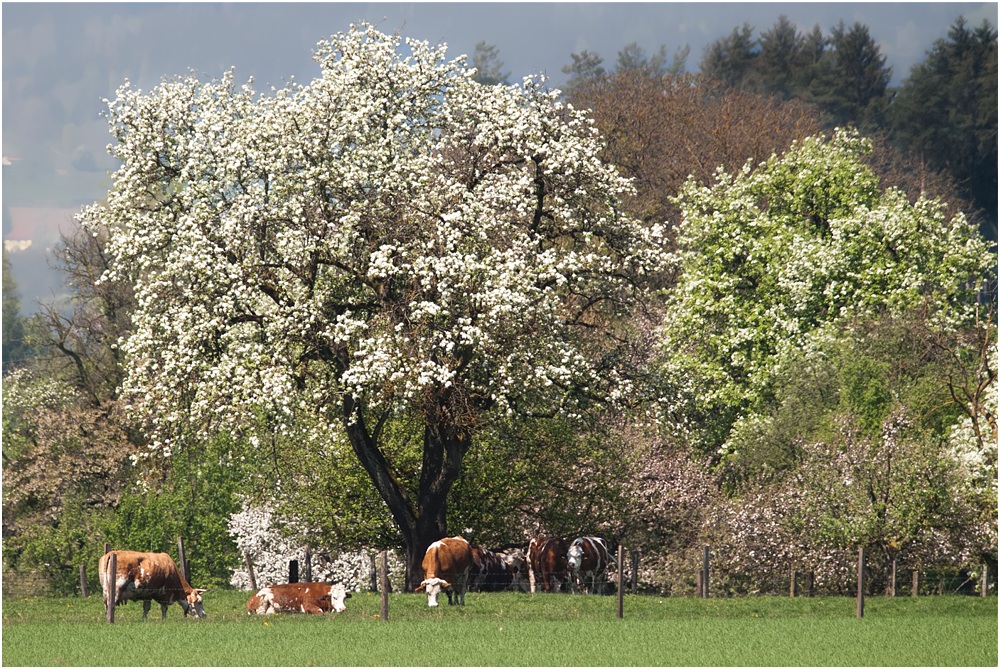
pixel 181 560
pixel 700 586
pixel 892 579
pixel 984 586
pixel 383 577
pixel 861 582
pixel 293 571
pixel 112 580
pixel 705 583
pixel 309 568
pixel 621 583
pixel 253 579
pixel 107 548
pixel 83 580
pixel 791 583
pixel 915 584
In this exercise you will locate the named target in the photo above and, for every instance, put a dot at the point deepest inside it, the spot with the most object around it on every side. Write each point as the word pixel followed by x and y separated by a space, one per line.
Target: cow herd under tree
pixel 451 565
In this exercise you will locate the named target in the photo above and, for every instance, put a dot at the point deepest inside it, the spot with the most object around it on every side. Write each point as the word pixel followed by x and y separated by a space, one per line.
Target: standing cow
pixel 588 559
pixel 547 558
pixel 298 598
pixel 149 576
pixel 517 565
pixel 446 567
pixel 495 571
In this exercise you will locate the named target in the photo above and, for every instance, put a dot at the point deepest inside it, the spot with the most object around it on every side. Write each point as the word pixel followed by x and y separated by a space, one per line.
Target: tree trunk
pixel 424 522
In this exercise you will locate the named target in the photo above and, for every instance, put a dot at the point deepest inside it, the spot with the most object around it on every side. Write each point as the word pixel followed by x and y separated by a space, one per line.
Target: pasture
pixel 513 629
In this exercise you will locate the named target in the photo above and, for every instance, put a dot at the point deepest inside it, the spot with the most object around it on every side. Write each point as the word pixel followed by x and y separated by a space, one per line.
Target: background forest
pixel 805 378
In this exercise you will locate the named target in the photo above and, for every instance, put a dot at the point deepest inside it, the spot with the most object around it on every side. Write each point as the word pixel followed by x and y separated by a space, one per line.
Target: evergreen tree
pixel 489 67
pixel 852 78
pixel 946 112
pixel 14 348
pixel 585 68
pixel 633 57
pixel 730 59
pixel 782 59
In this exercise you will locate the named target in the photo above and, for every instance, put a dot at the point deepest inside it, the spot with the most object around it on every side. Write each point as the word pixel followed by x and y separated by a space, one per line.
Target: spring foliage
pixel 771 256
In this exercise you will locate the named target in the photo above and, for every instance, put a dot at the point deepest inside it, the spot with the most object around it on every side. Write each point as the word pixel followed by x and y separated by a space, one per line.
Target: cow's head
pixel 192 603
pixel 433 586
pixel 574 556
pixel 515 561
pixel 337 596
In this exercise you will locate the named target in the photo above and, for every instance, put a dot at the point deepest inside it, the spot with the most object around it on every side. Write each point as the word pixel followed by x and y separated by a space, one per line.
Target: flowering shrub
pixel 270 545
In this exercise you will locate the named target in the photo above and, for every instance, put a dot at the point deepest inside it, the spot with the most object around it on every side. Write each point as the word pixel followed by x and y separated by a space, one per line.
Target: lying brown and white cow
pixel 446 567
pixel 547 558
pixel 588 559
pixel 149 576
pixel 298 598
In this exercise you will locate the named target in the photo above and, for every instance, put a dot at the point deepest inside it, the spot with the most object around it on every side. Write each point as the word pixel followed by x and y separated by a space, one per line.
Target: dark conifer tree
pixel 946 112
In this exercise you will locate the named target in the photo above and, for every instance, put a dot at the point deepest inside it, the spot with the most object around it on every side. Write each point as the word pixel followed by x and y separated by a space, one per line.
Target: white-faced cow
pixel 446 567
pixel 150 576
pixel 299 598
pixel 547 557
pixel 496 571
pixel 517 565
pixel 588 559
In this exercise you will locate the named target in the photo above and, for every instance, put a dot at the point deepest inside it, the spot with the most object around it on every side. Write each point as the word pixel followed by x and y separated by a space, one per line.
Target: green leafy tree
pixel 946 112
pixel 770 257
pixel 393 238
pixel 191 496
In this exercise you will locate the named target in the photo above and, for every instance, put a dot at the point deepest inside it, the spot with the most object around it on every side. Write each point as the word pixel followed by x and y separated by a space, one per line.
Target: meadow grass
pixel 511 629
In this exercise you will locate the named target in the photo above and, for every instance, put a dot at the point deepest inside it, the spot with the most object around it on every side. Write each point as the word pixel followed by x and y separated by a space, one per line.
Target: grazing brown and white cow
pixel 547 557
pixel 299 598
pixel 588 559
pixel 446 567
pixel 149 576
pixel 496 571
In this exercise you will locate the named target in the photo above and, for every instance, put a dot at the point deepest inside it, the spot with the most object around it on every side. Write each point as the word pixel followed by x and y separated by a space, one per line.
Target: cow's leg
pixel 145 607
pixel 163 610
pixel 311 607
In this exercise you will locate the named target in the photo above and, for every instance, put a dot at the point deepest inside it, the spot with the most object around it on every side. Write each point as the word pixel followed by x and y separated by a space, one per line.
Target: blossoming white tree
pixel 392 237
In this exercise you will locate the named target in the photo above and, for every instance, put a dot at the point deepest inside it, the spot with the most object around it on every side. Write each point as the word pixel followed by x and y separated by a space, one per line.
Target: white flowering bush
pixel 772 255
pixel 271 545
pixel 391 237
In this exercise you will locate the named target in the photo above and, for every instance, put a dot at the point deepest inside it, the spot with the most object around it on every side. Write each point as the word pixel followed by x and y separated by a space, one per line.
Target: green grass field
pixel 510 629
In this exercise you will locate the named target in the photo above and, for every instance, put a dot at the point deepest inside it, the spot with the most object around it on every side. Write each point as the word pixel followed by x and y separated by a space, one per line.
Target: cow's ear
pixel 200 591
pixel 445 584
